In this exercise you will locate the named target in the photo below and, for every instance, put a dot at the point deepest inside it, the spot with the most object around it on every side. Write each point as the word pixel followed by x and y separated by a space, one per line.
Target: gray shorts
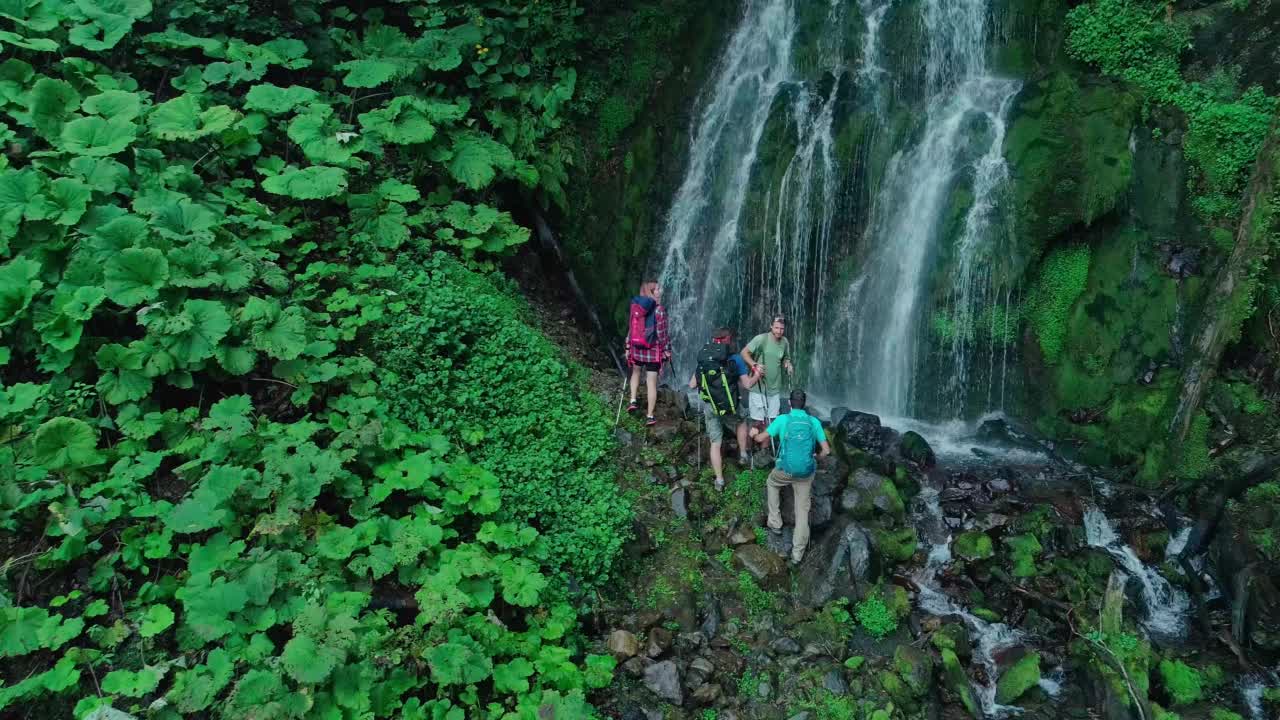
pixel 716 424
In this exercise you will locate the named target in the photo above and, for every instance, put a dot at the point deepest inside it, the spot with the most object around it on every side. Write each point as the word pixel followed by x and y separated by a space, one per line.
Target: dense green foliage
pixel 1062 279
pixel 465 363
pixel 212 509
pixel 1133 40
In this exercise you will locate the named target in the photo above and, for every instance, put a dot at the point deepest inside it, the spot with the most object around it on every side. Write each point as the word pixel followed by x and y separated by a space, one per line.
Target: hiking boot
pixel 796 560
pixel 744 461
pixel 720 484
pixel 633 406
pixel 650 421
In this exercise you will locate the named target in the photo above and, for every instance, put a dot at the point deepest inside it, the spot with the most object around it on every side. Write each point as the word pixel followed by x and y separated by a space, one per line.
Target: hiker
pixel 648 344
pixel 719 374
pixel 772 351
pixel 796 433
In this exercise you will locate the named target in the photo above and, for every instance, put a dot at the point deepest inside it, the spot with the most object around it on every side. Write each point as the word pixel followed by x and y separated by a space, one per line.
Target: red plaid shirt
pixel 657 353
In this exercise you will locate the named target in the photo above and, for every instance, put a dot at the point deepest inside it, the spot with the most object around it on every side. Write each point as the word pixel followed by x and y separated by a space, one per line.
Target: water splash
pixel 990 639
pixel 1166 606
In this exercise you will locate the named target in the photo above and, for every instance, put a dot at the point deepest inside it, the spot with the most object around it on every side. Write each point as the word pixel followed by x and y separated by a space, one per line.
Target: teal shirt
pixel 778 427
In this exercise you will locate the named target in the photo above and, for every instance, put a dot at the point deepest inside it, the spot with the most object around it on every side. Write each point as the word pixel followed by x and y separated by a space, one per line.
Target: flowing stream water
pixel 1166 605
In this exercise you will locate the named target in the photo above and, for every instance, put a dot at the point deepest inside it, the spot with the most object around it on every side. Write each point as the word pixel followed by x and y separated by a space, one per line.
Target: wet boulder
pixel 837 564
pixel 1018 678
pixel 763 565
pixel 958 684
pixel 862 431
pixel 663 680
pixel 869 494
pixel 915 449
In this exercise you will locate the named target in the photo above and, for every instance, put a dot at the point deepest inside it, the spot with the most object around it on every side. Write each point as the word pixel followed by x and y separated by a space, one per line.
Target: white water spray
pixel 1167 606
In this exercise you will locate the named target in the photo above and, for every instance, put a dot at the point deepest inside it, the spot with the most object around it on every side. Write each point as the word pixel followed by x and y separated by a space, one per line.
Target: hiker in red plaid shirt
pixel 648 344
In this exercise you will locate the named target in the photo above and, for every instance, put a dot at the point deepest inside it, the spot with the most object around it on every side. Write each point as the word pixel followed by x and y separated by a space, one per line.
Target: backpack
pixel 642 330
pixel 796 458
pixel 716 384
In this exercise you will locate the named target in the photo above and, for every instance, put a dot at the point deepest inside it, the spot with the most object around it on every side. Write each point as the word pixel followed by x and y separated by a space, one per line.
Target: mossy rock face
pixel 1023 550
pixel 954 637
pixel 1018 678
pixel 1182 683
pixel 957 682
pixel 896 546
pixel 915 667
pixel 1068 151
pixel 974 546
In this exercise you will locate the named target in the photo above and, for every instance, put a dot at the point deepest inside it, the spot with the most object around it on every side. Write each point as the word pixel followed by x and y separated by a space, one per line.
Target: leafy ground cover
pixel 208 504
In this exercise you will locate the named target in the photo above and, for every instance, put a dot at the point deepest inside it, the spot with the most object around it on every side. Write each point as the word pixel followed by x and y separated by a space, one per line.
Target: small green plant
pixel 756 599
pixel 762 536
pixel 749 683
pixel 875 617
pixel 725 557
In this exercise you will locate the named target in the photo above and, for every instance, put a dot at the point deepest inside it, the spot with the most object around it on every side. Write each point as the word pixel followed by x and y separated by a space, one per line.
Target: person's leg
pixel 773 486
pixel 773 406
pixel 635 382
pixel 651 382
pixel 743 447
pixel 715 434
pixel 756 403
pixel 802 498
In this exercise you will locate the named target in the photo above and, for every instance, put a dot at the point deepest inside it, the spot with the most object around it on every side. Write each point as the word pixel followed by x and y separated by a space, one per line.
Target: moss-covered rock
pixel 915 667
pixel 957 682
pixel 974 546
pixel 1182 683
pixel 954 637
pixel 1018 678
pixel 896 546
pixel 914 448
pixel 1022 550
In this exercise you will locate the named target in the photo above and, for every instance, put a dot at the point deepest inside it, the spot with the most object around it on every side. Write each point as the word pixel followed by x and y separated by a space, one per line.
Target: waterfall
pixel 821 174
pixel 701 234
pixel 886 326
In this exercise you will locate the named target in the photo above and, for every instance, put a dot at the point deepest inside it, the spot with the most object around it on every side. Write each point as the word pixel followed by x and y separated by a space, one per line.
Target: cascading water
pixel 885 326
pixel 1166 606
pixel 799 199
pixel 989 638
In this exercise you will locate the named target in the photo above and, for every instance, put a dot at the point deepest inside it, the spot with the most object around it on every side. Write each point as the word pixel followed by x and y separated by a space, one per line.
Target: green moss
pixel 1061 282
pixel 1194 459
pixel 974 546
pixel 1224 714
pixel 1181 682
pixel 896 545
pixel 875 617
pixel 915 667
pixel 958 682
pixel 1023 550
pixel 1019 678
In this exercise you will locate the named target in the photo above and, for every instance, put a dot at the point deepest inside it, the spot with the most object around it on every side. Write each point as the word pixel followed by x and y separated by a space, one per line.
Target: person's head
pixel 722 336
pixel 651 289
pixel 798 399
pixel 778 327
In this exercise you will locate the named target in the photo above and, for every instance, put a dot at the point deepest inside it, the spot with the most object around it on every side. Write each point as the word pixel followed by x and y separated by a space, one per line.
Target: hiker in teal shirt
pixel 796 434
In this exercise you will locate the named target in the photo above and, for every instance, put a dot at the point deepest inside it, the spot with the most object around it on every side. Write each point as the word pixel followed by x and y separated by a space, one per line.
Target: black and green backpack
pixel 716 384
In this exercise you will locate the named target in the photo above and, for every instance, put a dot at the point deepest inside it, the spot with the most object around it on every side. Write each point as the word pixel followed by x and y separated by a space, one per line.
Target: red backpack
pixel 643 326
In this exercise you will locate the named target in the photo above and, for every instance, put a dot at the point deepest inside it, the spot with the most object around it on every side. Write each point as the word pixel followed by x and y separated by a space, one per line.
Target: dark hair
pixel 723 333
pixel 798 399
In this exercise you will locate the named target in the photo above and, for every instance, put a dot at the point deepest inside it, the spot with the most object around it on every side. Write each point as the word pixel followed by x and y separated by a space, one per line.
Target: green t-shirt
pixel 764 349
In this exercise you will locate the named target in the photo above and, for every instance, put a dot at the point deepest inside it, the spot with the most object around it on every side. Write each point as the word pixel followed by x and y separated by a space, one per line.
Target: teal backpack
pixel 796 458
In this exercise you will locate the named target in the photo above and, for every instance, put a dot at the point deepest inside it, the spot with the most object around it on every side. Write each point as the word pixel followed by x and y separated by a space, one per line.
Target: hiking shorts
pixel 716 424
pixel 764 407
pixel 652 367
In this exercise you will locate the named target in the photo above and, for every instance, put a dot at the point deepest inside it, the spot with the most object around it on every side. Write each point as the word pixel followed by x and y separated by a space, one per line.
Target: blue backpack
pixel 796 458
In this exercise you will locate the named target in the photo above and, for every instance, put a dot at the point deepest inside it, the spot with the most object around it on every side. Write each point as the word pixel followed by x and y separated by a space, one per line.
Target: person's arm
pixel 693 382
pixel 786 356
pixel 762 436
pixel 746 353
pixel 822 435
pixel 749 380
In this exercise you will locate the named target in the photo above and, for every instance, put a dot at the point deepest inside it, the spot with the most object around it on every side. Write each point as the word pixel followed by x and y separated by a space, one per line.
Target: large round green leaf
pixel 313 183
pixel 135 276
pixel 65 443
pixel 98 137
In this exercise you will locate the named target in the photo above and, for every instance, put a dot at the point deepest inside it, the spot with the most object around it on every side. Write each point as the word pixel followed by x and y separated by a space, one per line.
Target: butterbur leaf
pixel 458 663
pixel 98 137
pixel 313 183
pixel 155 620
pixel 65 443
pixel 368 73
pixel 135 276
pixel 599 671
pixel 19 283
pixel 51 103
pixel 403 121
pixel 512 677
pixel 283 336
pixel 114 104
pixel 194 334
pixel 305 661
pixel 111 21
pixel 69 197
pixel 522 583
pixel 182 119
pixel 37 44
pixel 274 100
pixel 133 684
pixel 122 378
pixel 207 608
pixel 238 359
pixel 476 158
pixel 230 417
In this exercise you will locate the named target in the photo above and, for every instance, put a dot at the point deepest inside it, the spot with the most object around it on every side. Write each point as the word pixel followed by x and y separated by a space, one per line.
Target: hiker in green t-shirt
pixel 773 351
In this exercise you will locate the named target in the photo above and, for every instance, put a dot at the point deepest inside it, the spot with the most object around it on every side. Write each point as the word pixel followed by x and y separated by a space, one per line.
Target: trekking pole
pixel 622 392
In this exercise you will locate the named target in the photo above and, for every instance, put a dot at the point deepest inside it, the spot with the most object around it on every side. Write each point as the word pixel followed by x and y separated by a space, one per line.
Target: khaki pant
pixel 800 487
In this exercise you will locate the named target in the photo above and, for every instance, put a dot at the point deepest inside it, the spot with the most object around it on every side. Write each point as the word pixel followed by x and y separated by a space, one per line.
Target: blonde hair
pixel 649 288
